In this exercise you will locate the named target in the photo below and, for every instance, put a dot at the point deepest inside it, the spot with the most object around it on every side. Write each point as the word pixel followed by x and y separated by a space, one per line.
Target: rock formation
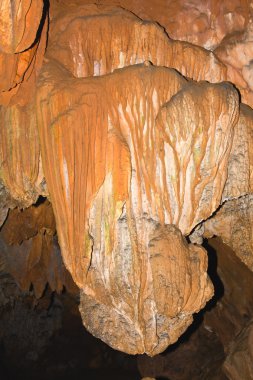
pixel 23 28
pixel 29 250
pixel 138 143
pixel 236 52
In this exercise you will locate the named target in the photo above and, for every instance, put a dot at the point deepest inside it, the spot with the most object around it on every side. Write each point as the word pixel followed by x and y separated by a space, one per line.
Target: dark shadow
pixel 212 272
pixel 70 353
pixel 40 201
pixel 3 370
pixel 45 12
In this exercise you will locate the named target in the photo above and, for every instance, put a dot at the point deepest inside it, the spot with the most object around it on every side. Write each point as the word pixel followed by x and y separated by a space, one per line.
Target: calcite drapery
pixel 233 221
pixel 101 105
pixel 204 23
pixel 130 156
pixel 111 170
pixel 123 192
pixel 19 24
pixel 21 168
pixel 124 40
pixel 240 166
pixel 23 30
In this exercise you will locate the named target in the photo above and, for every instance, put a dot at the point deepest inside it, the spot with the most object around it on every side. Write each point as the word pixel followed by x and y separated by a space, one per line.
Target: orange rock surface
pixel 204 23
pixel 94 40
pixel 236 52
pixel 20 162
pixel 23 29
pixel 19 24
pixel 224 27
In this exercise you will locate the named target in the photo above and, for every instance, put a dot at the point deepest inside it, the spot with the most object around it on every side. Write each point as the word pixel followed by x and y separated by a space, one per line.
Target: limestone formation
pixel 234 219
pixel 234 224
pixel 94 40
pixel 137 144
pixel 236 52
pixel 29 250
pixel 203 23
pixel 240 165
pixel 19 24
pixel 23 30
pixel 20 161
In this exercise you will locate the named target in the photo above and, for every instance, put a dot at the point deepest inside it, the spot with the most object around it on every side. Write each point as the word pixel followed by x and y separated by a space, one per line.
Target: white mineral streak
pixel 66 178
pixel 78 56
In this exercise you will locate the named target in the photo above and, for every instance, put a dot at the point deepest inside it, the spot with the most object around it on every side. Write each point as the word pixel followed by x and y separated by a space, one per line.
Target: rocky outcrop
pixel 141 295
pixel 23 27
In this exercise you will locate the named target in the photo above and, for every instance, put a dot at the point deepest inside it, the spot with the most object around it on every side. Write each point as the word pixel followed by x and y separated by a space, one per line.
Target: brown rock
pixel 29 250
pixel 233 220
pixel 240 166
pixel 20 162
pixel 200 352
pixel 233 223
pixel 147 295
pixel 104 106
pixel 238 364
pixel 234 308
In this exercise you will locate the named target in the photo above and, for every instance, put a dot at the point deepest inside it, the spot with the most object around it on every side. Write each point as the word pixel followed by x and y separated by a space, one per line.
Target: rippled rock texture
pixel 138 143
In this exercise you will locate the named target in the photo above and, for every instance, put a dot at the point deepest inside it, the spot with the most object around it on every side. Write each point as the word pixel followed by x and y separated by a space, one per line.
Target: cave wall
pixel 121 115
